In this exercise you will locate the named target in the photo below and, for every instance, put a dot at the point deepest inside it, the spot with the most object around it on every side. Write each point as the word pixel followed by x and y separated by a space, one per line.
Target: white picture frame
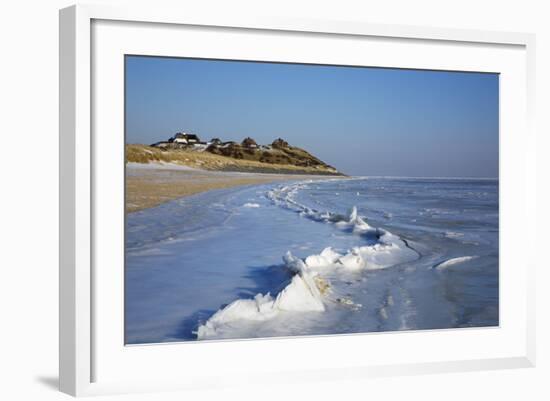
pixel 82 342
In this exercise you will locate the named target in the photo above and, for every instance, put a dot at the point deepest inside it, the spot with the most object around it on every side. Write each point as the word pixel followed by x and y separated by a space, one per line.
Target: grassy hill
pixel 279 158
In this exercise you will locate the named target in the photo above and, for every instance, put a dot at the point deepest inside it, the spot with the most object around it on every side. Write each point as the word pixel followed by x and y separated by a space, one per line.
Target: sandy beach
pixel 149 185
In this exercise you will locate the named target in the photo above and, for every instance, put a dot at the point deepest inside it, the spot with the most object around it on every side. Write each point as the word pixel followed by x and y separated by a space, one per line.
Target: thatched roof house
pixel 249 143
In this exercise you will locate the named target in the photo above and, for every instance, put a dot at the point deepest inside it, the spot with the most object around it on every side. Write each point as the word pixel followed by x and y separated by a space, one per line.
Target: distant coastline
pixel 185 149
pixel 185 165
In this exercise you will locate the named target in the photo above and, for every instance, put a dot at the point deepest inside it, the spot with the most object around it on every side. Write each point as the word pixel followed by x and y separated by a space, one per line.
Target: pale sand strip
pixel 149 187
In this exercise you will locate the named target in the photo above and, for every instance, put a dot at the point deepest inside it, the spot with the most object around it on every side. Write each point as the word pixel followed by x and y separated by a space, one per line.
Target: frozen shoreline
pixel 217 264
pixel 316 278
pixel 149 185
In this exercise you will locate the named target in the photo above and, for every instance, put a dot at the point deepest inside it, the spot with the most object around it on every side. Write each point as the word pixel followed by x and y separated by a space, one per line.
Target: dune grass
pixel 138 153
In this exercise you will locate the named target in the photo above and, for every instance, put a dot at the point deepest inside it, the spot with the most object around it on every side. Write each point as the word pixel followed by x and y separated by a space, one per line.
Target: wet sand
pixel 149 185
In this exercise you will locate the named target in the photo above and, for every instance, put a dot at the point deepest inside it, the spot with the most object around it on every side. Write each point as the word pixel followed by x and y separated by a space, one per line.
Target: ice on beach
pixel 309 287
pixel 353 260
pixel 251 205
pixel 327 257
pixel 453 261
pixel 451 234
pixel 301 295
pixel 305 261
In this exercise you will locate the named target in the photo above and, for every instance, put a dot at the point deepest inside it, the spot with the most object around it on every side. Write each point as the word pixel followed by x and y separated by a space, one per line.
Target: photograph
pixel 270 199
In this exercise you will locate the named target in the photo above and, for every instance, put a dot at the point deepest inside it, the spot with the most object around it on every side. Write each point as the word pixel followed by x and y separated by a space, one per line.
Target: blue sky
pixel 363 121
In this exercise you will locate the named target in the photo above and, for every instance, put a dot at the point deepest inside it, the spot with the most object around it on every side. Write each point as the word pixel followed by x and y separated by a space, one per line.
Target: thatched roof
pixel 249 143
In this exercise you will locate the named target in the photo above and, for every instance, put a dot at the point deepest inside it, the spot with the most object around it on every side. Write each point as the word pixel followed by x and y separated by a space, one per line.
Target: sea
pixel 314 257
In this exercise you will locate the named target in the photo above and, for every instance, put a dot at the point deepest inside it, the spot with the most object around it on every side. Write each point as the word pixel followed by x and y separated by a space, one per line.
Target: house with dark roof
pixel 249 143
pixel 185 139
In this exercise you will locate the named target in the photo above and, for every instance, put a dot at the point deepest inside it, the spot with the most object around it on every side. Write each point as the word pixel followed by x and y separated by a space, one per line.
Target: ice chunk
pixel 453 261
pixel 353 260
pixel 300 295
pixel 330 255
